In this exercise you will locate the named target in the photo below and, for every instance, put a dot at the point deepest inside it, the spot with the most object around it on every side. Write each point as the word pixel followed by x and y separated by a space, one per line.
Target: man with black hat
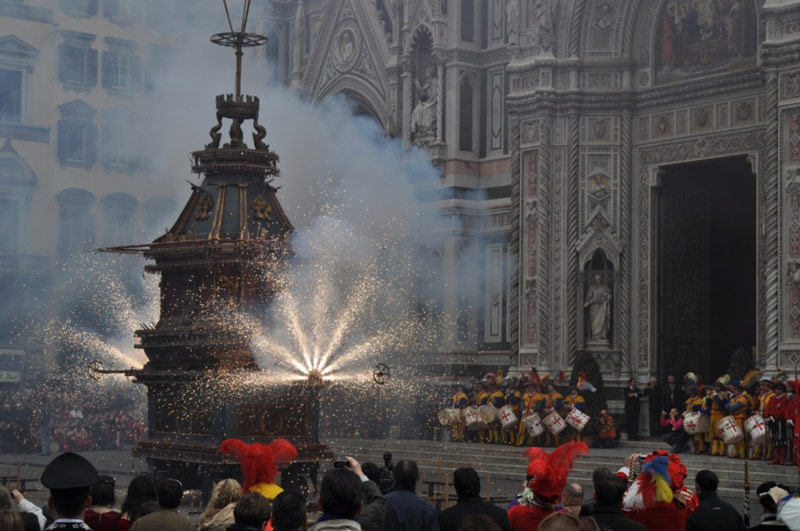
pixel 69 477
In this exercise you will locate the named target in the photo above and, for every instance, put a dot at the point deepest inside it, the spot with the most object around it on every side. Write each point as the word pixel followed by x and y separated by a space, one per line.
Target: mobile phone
pixel 339 464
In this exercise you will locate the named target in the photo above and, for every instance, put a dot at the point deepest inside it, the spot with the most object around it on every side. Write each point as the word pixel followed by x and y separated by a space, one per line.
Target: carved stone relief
pixel 530 165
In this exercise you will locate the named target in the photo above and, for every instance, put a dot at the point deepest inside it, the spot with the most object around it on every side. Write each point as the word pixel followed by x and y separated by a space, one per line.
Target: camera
pixel 387 460
pixel 340 464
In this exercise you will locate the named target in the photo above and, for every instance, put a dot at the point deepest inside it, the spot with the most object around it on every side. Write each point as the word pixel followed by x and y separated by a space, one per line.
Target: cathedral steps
pixel 506 466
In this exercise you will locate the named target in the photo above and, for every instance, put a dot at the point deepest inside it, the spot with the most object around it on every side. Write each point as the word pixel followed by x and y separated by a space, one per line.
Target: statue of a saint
pixel 512 21
pixel 423 117
pixel 598 300
pixel 540 14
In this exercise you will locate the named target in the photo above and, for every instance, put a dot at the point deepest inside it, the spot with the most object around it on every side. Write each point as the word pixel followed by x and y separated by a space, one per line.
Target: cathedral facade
pixel 629 170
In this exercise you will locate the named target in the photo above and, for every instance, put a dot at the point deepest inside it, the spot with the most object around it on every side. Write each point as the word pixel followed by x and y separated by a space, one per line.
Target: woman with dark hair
pixel 142 489
pixel 101 516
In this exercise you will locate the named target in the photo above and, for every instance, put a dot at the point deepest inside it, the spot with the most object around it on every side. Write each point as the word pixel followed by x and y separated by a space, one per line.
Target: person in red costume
pixel 259 463
pixel 776 414
pixel 549 477
pixel 658 498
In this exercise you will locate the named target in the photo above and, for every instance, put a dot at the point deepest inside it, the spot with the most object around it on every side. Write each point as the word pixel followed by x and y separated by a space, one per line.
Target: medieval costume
pixel 576 401
pixel 764 449
pixel 737 406
pixel 549 477
pixel 497 398
pixel 775 415
pixel 554 401
pixel 513 398
pixel 460 400
pixel 260 462
pixel 719 399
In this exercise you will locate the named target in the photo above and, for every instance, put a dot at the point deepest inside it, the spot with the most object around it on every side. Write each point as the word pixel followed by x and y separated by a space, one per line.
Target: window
pixel 10 95
pixel 121 68
pixel 118 211
pixel 77 135
pixel 468 20
pixel 119 153
pixel 76 221
pixel 120 11
pixel 9 221
pixel 77 65
pixel 79 8
pixel 465 115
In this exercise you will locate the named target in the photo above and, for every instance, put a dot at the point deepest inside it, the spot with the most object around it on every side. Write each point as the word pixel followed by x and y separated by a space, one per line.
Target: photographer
pixel 676 437
pixel 373 509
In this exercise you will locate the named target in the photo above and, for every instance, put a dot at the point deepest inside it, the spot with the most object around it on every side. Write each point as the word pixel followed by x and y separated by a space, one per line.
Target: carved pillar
pixel 623 340
pixel 771 221
pixel 544 207
pixel 440 59
pixel 408 103
pixel 573 269
pixel 514 255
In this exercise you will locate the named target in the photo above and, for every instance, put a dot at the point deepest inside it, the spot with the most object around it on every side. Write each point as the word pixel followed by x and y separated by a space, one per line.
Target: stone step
pixel 507 467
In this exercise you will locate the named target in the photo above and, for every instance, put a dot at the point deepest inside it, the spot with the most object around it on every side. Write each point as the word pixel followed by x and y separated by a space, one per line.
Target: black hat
pixel 69 471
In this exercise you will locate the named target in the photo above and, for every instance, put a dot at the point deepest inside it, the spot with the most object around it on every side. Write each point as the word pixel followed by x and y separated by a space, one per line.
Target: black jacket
pixel 714 514
pixel 770 524
pixel 676 399
pixel 632 403
pixel 612 517
pixel 449 519
pixel 408 512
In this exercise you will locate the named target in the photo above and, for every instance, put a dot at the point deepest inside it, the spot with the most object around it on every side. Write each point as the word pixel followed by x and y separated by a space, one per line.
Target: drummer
pixel 528 404
pixel 554 401
pixel 719 398
pixel 775 416
pixel 698 403
pixel 737 406
pixel 459 401
pixel 514 399
pixel 482 399
pixel 497 398
pixel 574 401
pixel 764 396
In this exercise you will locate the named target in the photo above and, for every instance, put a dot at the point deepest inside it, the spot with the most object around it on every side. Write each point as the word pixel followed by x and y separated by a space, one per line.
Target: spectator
pixel 676 437
pixel 606 431
pixel 148 507
pixel 10 520
pixel 478 522
pixel 573 499
pixel 674 396
pixel 406 511
pixel 101 516
pixel 251 513
pixel 289 512
pixel 169 495
pixel 768 495
pixel 140 490
pixel 32 517
pixel 632 396
pixel 69 478
pixel 609 489
pixel 653 393
pixel 340 499
pixel 219 511
pixel 568 522
pixel 373 510
pixel 712 513
pixel 468 488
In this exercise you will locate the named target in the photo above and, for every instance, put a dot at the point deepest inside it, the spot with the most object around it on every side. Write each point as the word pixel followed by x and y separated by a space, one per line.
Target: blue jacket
pixel 408 512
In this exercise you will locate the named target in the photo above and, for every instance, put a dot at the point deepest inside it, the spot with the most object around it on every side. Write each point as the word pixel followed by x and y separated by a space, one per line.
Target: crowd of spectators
pixel 350 500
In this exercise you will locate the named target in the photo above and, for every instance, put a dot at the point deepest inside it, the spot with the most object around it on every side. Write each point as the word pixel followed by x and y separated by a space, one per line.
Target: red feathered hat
pixel 259 462
pixel 549 472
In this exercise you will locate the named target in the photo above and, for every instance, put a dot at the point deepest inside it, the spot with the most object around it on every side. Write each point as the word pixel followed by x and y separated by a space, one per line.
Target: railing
pixel 23 264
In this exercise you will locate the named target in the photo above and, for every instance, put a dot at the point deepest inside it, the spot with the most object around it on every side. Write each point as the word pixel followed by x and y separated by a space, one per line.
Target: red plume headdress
pixel 259 462
pixel 549 472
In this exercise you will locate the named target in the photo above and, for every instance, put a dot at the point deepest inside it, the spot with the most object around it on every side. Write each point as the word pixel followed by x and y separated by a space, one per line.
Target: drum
pixel 731 432
pixel 533 424
pixel 554 423
pixel 577 419
pixel 755 427
pixel 472 419
pixel 449 416
pixel 487 414
pixel 695 422
pixel 508 419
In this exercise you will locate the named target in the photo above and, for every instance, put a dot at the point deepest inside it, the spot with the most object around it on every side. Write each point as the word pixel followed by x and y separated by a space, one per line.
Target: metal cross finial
pixel 238 40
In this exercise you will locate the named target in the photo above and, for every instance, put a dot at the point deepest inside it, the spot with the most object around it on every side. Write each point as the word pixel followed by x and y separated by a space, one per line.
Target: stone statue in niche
pixel 598 300
pixel 540 20
pixel 424 115
pixel 512 21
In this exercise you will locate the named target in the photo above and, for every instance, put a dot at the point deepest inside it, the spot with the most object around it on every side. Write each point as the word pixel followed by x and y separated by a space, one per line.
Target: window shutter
pixel 105 144
pixel 135 70
pixel 107 58
pixel 91 145
pixel 62 62
pixel 91 68
pixel 62 142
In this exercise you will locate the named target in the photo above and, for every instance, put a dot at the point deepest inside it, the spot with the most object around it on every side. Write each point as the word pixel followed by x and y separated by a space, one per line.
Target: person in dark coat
pixel 653 393
pixel 632 396
pixel 672 395
pixel 468 488
pixel 712 514
pixel 69 478
pixel 768 495
pixel 406 511
pixel 289 512
pixel 609 490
